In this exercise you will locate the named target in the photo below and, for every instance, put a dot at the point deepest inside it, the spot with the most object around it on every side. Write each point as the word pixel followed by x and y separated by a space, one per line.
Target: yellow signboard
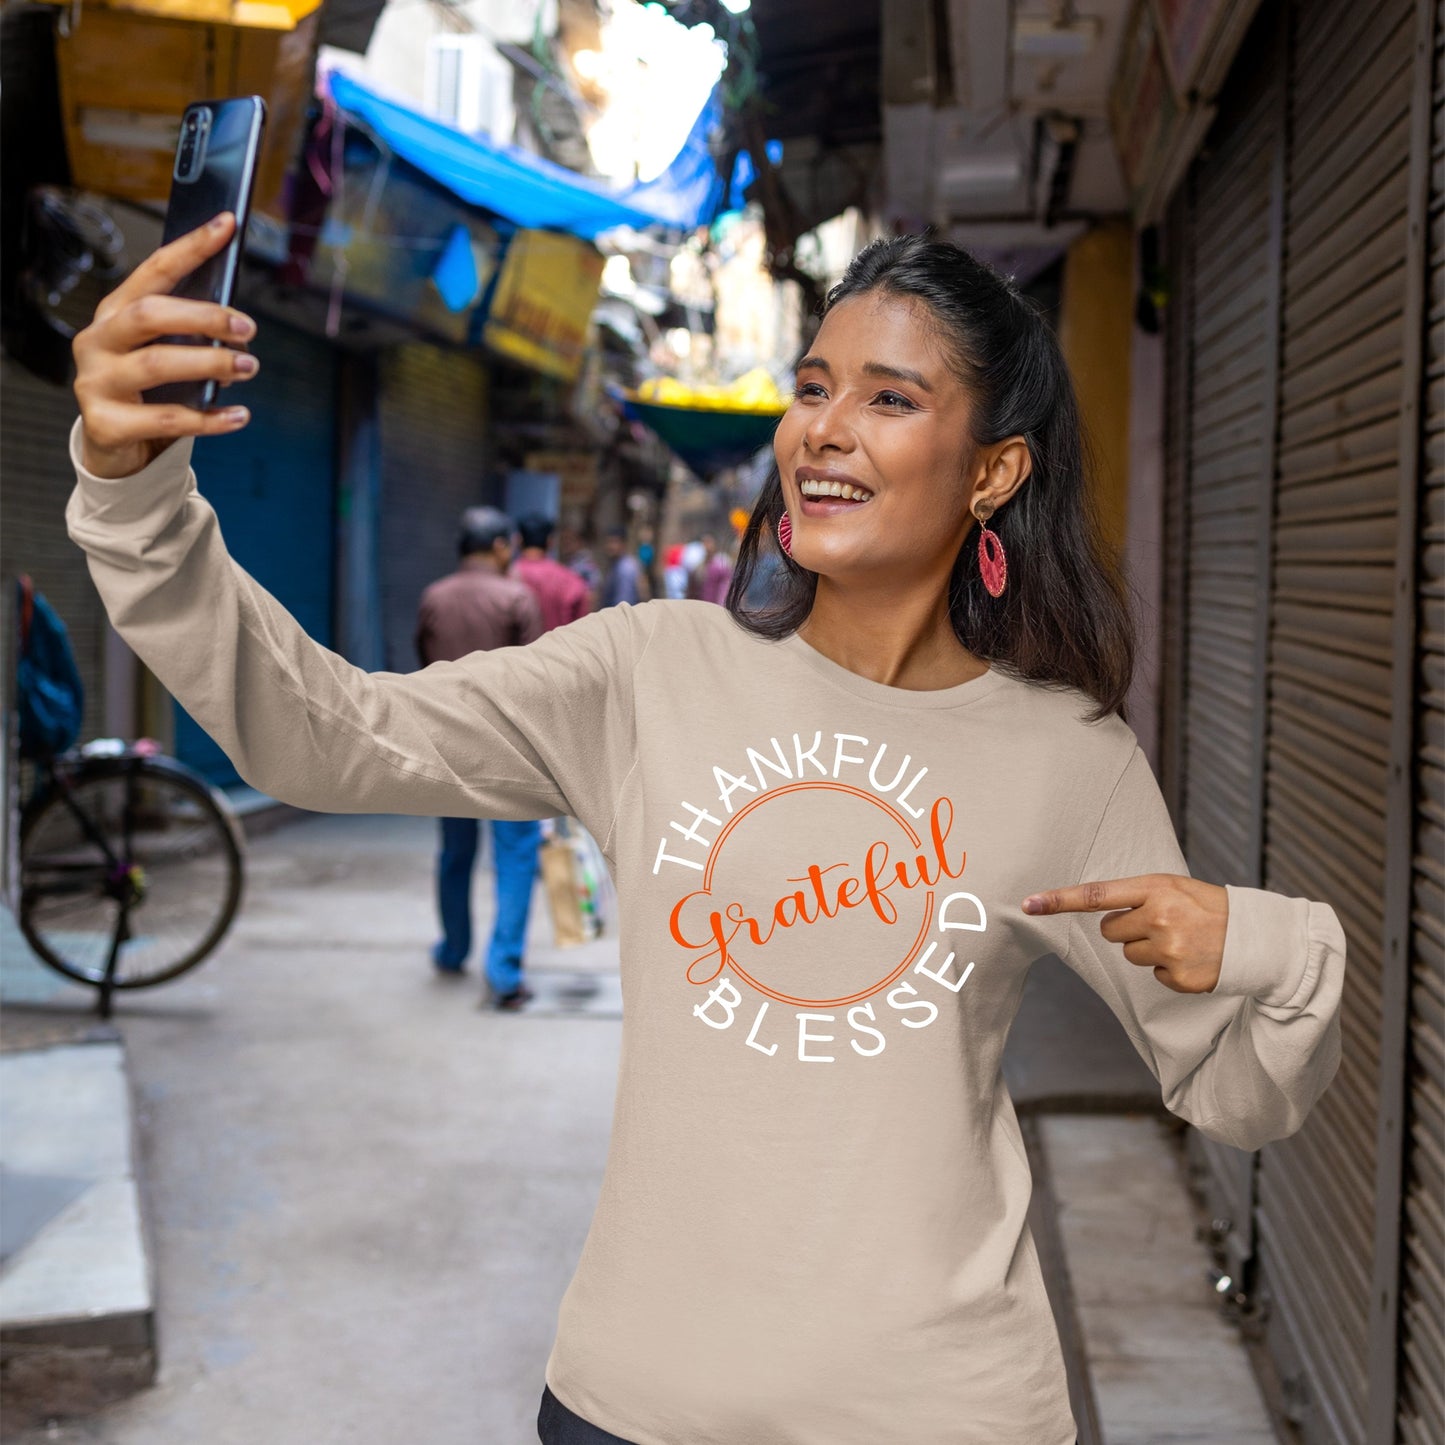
pixel 543 302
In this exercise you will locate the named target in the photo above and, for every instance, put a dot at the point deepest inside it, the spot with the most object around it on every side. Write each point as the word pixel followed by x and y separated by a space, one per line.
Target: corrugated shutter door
pixel 1330 659
pixel 273 488
pixel 1230 318
pixel 434 462
pixel 1422 1304
pixel 33 539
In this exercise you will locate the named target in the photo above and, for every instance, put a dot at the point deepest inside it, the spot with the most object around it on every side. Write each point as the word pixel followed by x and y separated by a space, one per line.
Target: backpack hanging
pixel 50 695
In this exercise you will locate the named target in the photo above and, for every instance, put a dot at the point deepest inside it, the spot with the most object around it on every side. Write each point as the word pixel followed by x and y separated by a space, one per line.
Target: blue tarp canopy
pixel 530 190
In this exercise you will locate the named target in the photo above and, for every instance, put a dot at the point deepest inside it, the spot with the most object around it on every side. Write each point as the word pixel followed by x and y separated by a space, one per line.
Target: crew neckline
pixel 959 695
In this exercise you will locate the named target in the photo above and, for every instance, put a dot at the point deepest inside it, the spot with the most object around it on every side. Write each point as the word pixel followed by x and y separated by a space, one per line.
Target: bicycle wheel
pixel 133 853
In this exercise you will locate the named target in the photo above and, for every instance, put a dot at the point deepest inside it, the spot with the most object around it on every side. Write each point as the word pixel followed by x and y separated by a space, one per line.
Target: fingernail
pixel 218 223
pixel 236 416
pixel 1033 905
pixel 245 364
pixel 242 325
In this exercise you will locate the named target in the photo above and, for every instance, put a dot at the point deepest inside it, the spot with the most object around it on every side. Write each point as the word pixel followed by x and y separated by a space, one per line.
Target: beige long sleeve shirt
pixel 811 1229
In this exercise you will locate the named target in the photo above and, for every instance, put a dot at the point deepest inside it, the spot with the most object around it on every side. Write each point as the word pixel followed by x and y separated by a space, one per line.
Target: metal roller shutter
pixel 1232 322
pixel 1421 1417
pixel 1330 660
pixel 35 466
pixel 273 488
pixel 432 408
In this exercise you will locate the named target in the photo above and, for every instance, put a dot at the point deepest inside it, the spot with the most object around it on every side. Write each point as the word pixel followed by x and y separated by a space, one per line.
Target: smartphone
pixel 214 171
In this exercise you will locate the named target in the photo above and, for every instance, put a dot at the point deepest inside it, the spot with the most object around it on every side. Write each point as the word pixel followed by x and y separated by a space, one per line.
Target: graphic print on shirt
pixel 822 904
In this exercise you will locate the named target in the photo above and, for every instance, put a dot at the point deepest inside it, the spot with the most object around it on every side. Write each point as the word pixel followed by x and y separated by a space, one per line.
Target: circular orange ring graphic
pixel 877 802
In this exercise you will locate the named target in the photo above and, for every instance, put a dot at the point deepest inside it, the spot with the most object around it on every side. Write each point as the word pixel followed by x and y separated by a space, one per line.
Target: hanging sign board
pixel 542 306
pixel 1199 39
pixel 1155 129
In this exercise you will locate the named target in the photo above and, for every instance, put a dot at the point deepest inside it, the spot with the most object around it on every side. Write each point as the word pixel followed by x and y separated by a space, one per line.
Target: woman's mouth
pixel 825 495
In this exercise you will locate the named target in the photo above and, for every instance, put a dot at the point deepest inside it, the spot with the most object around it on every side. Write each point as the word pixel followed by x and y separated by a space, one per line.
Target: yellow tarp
pixel 754 392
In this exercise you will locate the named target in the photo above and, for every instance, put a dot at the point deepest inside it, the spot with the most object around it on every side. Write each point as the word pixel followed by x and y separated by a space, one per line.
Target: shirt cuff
pixel 131 502
pixel 1266 946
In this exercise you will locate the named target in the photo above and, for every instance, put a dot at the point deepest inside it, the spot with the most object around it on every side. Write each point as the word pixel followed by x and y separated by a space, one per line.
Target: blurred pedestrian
pixel 674 574
pixel 624 580
pixel 842 833
pixel 476 609
pixel 710 578
pixel 575 555
pixel 560 592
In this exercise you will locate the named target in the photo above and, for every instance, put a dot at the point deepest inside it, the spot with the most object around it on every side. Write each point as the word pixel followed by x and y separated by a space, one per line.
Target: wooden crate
pixel 125 78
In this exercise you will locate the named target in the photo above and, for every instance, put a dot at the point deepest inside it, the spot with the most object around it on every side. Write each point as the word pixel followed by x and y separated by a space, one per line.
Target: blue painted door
pixel 273 487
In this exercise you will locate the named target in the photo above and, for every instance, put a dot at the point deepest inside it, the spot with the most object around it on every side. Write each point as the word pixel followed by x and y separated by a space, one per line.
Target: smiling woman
pixel 936 397
pixel 842 834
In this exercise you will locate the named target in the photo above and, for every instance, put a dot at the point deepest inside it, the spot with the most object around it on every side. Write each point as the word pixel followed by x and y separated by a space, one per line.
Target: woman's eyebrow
pixel 897 373
pixel 871 368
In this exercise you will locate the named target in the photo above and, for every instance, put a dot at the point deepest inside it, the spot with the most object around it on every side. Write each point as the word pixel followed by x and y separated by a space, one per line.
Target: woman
pixel 842 829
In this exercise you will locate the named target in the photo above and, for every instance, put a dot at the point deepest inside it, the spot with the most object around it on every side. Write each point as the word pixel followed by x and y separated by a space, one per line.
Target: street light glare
pixel 736 7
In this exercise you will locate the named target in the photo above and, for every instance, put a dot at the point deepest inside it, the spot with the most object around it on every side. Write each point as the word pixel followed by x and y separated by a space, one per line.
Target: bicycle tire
pixel 138 807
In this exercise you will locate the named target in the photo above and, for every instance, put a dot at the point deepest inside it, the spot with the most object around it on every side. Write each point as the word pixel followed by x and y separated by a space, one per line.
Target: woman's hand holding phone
pixel 120 355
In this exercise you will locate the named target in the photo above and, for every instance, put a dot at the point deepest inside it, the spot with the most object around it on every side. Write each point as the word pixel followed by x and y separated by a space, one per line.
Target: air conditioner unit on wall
pixel 469 85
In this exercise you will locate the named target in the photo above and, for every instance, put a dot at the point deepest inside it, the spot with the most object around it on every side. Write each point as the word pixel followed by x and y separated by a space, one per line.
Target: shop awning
pixel 530 190
pixel 705 439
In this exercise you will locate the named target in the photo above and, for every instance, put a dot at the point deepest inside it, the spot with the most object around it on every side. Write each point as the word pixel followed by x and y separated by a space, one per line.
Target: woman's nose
pixel 829 426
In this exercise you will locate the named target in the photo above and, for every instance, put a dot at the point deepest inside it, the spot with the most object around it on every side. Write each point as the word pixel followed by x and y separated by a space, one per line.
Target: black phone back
pixel 214 171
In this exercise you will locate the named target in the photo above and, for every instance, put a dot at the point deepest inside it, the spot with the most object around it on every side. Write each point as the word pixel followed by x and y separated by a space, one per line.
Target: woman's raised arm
pixel 519 732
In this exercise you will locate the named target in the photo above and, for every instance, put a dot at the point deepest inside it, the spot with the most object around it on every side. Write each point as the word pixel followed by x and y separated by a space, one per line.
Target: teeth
pixel 845 491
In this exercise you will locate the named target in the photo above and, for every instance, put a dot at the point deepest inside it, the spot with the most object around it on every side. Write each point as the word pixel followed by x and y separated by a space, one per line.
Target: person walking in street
pixel 843 828
pixel 713 575
pixel 624 580
pixel 576 556
pixel 561 594
pixel 476 609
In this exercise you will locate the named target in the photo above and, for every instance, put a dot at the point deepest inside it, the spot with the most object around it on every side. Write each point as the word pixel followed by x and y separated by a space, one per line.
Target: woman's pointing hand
pixel 1169 922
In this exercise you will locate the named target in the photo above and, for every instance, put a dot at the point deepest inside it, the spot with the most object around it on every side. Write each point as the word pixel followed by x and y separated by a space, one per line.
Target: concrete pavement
pixel 367 1195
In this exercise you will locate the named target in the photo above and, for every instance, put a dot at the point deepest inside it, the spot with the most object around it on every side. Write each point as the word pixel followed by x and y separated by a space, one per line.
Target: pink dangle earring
pixel 992 563
pixel 785 534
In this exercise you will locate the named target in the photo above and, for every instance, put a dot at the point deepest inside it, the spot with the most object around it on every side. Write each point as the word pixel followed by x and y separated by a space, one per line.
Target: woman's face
pixel 879 417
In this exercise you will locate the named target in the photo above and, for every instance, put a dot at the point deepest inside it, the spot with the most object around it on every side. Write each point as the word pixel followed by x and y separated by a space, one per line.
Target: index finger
pixel 170 264
pixel 1100 897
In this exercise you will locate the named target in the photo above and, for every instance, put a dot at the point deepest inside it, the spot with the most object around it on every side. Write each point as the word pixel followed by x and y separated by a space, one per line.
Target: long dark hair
pixel 1062 620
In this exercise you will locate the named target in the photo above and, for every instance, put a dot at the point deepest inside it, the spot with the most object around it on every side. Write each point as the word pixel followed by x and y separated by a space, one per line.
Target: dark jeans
pixel 515 846
pixel 557 1425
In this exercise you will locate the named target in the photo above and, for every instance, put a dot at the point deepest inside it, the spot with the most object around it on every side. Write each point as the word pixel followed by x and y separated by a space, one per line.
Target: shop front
pixel 1302 708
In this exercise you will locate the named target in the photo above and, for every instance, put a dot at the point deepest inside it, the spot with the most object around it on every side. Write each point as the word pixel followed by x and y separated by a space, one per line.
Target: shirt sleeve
pixel 1245 1062
pixel 520 732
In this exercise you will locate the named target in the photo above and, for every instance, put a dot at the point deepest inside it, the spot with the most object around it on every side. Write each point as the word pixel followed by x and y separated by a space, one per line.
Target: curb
pixel 77 1294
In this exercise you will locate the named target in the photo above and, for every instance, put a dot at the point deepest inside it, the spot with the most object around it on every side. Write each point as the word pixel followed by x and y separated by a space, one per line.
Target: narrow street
pixel 367 1194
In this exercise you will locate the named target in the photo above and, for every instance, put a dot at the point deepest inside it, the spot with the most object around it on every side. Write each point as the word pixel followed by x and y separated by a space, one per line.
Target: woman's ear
pixel 1001 470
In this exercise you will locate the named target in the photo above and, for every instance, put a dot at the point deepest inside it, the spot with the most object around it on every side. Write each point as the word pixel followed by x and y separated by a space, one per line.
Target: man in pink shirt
pixel 560 592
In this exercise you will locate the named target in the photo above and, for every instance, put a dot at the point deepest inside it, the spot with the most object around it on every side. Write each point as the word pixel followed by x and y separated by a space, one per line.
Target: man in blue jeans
pixel 477 608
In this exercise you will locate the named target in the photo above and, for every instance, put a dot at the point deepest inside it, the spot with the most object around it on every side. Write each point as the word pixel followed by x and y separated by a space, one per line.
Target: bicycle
pixel 131 865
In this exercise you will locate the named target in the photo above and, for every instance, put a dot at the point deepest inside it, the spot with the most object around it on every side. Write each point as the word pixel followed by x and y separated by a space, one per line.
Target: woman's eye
pixel 893 399
pixel 808 389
